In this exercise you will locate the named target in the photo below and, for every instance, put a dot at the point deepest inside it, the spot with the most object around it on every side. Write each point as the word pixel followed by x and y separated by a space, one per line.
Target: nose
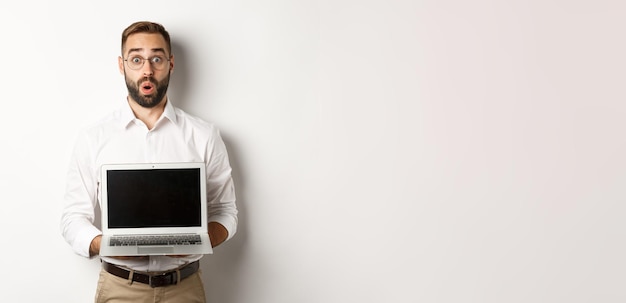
pixel 147 68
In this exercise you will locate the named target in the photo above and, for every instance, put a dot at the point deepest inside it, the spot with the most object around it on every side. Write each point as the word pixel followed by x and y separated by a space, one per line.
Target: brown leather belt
pixel 156 279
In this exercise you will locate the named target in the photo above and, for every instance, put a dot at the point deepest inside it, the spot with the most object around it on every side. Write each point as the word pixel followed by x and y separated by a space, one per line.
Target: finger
pixel 131 257
pixel 177 256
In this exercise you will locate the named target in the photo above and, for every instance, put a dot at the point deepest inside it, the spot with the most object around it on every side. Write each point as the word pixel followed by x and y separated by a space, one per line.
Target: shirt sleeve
pixel 77 217
pixel 221 198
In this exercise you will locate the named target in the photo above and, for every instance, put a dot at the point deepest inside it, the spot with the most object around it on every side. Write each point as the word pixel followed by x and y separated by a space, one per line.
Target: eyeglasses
pixel 157 62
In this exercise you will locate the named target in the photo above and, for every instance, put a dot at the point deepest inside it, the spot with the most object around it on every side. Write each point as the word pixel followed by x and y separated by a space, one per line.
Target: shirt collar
pixel 169 112
pixel 127 116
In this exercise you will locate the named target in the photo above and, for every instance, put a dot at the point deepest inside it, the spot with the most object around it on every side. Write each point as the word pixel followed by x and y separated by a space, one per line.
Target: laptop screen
pixel 154 198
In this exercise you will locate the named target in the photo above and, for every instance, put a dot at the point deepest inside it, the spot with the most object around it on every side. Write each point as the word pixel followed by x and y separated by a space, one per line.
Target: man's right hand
pixel 94 249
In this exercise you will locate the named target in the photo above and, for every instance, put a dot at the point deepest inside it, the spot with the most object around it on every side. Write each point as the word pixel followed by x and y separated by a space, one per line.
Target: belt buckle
pixel 155 280
pixel 150 281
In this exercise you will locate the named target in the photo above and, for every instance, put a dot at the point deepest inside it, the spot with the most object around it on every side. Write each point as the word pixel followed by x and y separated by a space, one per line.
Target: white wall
pixel 384 151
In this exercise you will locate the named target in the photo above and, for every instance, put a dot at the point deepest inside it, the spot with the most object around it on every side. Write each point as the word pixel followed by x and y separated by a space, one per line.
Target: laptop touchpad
pixel 155 250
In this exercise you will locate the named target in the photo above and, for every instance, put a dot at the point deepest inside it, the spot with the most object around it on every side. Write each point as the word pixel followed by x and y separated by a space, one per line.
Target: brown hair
pixel 149 28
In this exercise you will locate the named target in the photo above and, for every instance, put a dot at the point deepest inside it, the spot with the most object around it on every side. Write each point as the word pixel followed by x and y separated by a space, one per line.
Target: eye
pixel 136 60
pixel 157 59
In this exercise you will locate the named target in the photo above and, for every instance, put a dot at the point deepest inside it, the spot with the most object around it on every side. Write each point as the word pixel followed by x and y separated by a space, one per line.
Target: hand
pixel 94 246
pixel 94 249
pixel 217 233
pixel 130 257
pixel 145 257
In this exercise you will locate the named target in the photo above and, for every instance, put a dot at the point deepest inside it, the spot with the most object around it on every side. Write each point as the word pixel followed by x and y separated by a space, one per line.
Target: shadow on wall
pixel 179 79
pixel 220 271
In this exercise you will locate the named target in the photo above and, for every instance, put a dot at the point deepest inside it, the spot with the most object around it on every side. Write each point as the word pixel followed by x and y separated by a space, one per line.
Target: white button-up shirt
pixel 122 138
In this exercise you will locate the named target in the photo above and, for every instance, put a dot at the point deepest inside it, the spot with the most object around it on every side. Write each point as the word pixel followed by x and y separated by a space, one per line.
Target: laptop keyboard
pixel 144 240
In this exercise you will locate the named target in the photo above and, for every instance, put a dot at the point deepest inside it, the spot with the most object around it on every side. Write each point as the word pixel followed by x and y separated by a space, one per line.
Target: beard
pixel 148 101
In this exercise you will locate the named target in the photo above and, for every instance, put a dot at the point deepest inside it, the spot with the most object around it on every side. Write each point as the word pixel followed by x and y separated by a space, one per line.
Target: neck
pixel 148 115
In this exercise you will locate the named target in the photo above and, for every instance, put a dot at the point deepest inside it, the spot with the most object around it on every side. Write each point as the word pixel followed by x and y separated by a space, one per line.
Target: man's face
pixel 146 80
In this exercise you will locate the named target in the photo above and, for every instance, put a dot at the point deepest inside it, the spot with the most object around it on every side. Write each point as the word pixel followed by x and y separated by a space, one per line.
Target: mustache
pixel 149 79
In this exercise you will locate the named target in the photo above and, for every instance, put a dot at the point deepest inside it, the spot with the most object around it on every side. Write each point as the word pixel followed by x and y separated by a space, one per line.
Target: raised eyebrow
pixel 154 50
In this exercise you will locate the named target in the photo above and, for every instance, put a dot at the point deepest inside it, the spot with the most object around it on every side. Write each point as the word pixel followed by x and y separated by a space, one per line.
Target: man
pixel 147 128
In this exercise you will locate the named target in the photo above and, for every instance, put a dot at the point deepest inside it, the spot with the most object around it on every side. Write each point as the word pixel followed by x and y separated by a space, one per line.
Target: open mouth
pixel 147 87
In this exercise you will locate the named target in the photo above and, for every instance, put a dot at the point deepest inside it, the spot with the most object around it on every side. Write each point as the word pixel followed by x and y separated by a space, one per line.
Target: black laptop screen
pixel 154 198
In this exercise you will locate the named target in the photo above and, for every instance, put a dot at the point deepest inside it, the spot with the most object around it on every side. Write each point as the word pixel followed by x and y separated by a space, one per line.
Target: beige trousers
pixel 113 289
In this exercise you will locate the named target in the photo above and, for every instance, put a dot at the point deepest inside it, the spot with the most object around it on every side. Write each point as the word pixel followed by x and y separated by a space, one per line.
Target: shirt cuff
pixel 83 241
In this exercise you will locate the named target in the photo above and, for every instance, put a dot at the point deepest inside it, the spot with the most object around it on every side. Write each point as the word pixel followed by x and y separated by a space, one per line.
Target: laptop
pixel 154 209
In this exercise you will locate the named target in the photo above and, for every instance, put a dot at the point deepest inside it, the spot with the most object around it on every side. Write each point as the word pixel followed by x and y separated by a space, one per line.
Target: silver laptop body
pixel 154 209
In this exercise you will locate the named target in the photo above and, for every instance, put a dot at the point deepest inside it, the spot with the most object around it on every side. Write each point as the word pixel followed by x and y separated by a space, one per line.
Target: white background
pixel 383 151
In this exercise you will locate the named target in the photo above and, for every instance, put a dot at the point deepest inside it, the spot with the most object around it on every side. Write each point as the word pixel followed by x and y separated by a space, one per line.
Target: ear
pixel 120 64
pixel 171 63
